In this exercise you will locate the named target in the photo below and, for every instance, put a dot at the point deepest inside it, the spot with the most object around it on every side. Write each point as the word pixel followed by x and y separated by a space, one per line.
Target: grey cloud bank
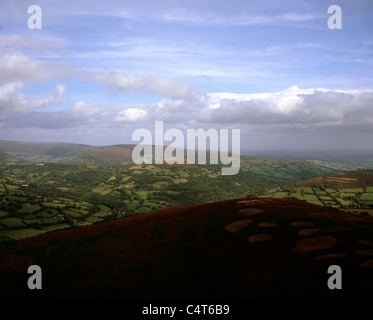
pixel 287 118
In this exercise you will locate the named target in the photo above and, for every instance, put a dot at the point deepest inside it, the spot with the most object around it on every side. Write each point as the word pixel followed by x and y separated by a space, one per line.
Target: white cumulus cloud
pixel 12 99
pixel 16 66
pixel 131 115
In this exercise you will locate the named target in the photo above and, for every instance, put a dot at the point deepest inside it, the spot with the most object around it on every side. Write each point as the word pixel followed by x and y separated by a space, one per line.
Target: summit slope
pixel 248 248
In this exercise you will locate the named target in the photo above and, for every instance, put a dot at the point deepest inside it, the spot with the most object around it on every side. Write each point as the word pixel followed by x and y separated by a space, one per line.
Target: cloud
pixel 94 113
pixel 289 109
pixel 293 106
pixel 192 11
pixel 293 118
pixel 84 109
pixel 16 66
pixel 36 42
pixel 81 114
pixel 298 17
pixel 11 99
pixel 206 16
pixel 17 71
pixel 122 82
pixel 131 115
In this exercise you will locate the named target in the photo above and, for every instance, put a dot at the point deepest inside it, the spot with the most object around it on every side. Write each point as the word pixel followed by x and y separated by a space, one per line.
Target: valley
pixel 42 197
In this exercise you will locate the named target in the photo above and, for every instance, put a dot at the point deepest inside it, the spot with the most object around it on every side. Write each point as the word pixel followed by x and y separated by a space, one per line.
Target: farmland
pixel 350 192
pixel 37 198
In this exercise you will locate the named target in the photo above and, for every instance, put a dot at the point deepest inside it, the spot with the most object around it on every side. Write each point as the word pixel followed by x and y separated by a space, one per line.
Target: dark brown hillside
pixel 237 249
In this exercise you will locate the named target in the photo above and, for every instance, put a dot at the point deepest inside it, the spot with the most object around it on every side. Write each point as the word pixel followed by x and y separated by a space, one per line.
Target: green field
pixel 367 197
pixel 29 208
pixel 133 205
pixel 21 234
pixel 100 214
pixel 143 209
pixel 280 195
pixel 104 189
pixel 53 205
pixel 143 194
pixel 12 223
pixel 312 199
pixel 345 203
pixel 74 213
pixel 51 220
pixel 55 227
pixel 93 219
pixel 352 190
pixel 3 214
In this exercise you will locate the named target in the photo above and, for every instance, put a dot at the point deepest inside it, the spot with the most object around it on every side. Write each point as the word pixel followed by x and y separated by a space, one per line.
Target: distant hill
pixel 109 155
pixel 248 248
pixel 5 157
pixel 65 152
pixel 72 153
pixel 43 151
pixel 347 160
pixel 121 154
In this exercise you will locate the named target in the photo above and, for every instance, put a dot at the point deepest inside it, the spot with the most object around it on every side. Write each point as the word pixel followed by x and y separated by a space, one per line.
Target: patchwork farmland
pixel 352 192
pixel 37 198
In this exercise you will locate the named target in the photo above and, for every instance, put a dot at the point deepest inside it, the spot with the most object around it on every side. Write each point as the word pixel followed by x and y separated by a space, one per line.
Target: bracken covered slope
pixel 245 248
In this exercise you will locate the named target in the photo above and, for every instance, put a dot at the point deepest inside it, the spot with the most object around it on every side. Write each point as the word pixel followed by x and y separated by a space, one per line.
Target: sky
pixel 98 70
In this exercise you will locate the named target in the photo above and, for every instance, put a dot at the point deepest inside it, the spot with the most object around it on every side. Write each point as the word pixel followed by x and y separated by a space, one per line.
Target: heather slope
pixel 235 249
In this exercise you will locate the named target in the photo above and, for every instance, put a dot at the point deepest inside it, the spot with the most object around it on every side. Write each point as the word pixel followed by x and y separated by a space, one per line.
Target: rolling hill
pixel 247 248
pixel 107 155
pixel 43 151
pixel 5 157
